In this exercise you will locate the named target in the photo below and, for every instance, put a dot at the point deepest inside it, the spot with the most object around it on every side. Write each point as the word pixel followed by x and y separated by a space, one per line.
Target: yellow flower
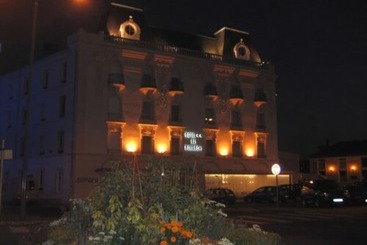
pixel 163 242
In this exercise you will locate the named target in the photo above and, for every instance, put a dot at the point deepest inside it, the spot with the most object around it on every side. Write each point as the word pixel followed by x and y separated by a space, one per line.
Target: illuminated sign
pixel 275 169
pixel 193 141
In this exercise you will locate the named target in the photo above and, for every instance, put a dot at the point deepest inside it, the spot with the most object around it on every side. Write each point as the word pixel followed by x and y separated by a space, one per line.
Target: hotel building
pixel 136 90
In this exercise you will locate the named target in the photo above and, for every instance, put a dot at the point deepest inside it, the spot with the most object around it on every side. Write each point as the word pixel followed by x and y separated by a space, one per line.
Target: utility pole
pixel 28 108
pixel 2 150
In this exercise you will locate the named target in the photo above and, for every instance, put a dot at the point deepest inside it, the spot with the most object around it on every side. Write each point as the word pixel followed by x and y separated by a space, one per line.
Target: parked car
pixel 290 192
pixel 357 192
pixel 262 194
pixel 323 192
pixel 222 195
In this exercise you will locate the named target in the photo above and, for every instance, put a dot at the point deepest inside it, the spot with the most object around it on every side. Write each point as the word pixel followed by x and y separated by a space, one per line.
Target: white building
pixel 208 101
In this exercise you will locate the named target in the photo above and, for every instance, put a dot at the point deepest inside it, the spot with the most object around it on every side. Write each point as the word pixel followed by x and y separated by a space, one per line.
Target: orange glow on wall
pixel 162 140
pixel 162 148
pixel 331 168
pixel 223 142
pixel 250 152
pixel 353 167
pixel 223 151
pixel 131 146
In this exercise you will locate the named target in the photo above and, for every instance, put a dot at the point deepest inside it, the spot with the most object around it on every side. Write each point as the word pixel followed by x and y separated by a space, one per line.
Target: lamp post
pixel 275 169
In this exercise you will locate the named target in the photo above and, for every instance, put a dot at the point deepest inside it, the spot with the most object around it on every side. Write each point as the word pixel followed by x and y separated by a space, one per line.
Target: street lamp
pixel 275 169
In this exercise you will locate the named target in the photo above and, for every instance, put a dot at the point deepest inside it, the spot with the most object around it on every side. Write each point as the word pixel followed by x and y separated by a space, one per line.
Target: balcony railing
pixel 182 51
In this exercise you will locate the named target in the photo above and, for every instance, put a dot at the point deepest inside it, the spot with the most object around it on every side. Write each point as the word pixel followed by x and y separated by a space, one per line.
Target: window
pixel 175 146
pixel 43 110
pixel 236 119
pixel 210 116
pixel 364 162
pixel 60 141
pixel 261 149
pixel 343 176
pixel 175 113
pixel 147 144
pixel 42 145
pixel 114 137
pixel 236 149
pixel 147 113
pixel 62 108
pixel 321 164
pixel 59 180
pixel 342 163
pixel 364 174
pixel 21 146
pixel 24 116
pixel 41 180
pixel 261 145
pixel 64 72
pixel 26 86
pixel 129 29
pixel 114 108
pixel 241 51
pixel 260 120
pixel 45 80
pixel 30 185
pixel 210 147
pixel 8 119
pixel 11 91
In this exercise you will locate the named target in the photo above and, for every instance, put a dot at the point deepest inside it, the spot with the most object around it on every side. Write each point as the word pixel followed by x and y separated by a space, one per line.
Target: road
pixel 299 225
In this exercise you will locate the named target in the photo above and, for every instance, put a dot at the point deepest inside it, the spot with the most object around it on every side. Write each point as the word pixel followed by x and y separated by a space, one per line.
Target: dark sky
pixel 318 48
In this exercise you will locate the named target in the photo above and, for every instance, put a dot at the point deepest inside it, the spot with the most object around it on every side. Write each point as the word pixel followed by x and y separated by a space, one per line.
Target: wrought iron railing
pixel 182 51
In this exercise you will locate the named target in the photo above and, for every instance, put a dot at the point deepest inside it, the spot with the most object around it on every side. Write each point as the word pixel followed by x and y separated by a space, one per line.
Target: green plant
pixel 254 236
pixel 146 207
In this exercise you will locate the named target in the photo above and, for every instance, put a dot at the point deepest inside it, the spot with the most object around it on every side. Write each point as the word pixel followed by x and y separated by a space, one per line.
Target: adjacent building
pixel 345 162
pixel 132 90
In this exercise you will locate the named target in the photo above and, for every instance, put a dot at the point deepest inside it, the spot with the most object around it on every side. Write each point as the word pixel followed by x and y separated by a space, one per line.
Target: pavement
pixel 28 230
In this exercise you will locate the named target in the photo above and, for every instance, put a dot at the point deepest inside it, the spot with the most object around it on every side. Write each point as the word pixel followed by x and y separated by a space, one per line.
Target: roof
pixel 221 43
pixel 344 148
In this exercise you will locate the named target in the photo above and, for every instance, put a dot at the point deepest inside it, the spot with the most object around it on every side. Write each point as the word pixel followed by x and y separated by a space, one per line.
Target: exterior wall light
pixel 250 152
pixel 131 147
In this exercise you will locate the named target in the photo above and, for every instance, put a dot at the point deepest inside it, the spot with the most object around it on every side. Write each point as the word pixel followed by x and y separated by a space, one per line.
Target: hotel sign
pixel 193 141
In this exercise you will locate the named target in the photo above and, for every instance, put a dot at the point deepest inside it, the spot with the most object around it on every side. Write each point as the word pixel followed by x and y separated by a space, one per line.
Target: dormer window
pixel 130 30
pixel 241 51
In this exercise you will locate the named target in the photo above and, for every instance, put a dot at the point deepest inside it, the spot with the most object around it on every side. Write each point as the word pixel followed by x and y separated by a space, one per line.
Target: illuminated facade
pixel 134 89
pixel 345 162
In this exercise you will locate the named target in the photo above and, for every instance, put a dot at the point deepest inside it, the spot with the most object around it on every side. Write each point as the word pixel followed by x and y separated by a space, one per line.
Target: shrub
pixel 149 206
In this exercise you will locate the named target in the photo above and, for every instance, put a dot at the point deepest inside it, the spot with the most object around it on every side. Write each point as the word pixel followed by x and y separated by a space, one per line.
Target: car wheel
pixel 274 200
pixel 317 203
pixel 304 202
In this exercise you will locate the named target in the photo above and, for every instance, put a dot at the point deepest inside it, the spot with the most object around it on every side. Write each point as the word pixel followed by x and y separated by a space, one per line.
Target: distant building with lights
pixel 345 162
pixel 134 89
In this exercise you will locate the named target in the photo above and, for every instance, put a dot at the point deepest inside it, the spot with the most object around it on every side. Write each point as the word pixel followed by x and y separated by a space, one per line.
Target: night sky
pixel 318 48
